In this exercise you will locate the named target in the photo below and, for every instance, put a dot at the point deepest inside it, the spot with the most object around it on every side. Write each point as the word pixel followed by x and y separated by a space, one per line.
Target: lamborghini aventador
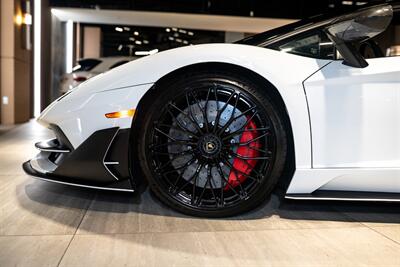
pixel 213 129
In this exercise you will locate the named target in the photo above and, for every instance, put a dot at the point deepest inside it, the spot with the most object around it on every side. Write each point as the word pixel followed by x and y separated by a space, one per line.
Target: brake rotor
pixel 212 111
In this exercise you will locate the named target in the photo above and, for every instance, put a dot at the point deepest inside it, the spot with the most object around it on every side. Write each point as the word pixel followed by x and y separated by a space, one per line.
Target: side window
pixel 86 64
pixel 314 45
pixel 386 44
pixel 119 64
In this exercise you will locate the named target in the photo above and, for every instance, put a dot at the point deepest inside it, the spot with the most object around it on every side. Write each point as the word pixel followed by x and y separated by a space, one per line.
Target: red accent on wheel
pixel 244 167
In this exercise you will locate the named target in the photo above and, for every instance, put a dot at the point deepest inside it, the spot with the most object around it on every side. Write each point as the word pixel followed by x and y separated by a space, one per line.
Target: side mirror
pixel 349 30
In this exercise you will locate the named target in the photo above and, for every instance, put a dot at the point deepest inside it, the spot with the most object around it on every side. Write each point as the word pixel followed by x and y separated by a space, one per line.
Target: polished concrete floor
pixel 44 224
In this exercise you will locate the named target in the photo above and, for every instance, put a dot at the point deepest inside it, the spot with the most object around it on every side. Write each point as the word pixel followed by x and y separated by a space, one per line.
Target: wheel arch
pixel 146 101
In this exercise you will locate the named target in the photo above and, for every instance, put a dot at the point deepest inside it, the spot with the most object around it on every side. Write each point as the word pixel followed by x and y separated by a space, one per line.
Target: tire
pixel 209 165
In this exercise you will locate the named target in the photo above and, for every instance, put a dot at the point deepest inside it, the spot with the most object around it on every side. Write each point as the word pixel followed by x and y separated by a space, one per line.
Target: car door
pixel 355 116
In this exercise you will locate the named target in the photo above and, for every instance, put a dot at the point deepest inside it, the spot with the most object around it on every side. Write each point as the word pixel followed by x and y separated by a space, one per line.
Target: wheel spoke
pixel 249 141
pixel 152 146
pixel 248 158
pixel 232 119
pixel 221 173
pixel 194 120
pixel 242 190
pixel 209 177
pixel 187 116
pixel 178 122
pixel 181 153
pixel 191 178
pixel 203 109
pixel 165 134
pixel 184 166
pixel 242 173
pixel 178 128
pixel 240 131
pixel 217 119
pixel 176 156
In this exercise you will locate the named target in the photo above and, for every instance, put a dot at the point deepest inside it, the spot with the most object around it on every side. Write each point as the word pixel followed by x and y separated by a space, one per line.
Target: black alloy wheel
pixel 210 146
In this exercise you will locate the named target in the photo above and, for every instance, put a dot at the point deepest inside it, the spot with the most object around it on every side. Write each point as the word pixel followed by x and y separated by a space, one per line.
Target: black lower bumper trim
pixel 123 185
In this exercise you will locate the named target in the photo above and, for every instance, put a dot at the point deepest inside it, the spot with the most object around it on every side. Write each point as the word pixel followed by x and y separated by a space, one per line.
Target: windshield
pixel 270 35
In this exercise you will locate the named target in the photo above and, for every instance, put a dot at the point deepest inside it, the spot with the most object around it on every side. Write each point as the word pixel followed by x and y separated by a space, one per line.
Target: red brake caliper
pixel 244 167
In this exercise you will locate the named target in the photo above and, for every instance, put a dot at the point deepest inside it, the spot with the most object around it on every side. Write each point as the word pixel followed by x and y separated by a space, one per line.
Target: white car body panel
pixel 80 116
pixel 75 111
pixel 355 124
pixel 69 82
pixel 355 115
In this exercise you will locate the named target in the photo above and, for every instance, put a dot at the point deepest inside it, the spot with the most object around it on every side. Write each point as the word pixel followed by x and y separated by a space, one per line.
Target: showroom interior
pixel 49 47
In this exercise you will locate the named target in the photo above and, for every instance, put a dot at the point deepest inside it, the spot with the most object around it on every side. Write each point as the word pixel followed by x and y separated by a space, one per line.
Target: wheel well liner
pixel 149 96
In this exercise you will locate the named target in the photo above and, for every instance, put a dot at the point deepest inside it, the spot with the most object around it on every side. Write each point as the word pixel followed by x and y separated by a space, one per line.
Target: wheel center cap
pixel 210 145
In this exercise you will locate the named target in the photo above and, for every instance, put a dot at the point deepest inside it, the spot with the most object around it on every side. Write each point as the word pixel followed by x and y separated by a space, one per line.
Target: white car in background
pixel 88 68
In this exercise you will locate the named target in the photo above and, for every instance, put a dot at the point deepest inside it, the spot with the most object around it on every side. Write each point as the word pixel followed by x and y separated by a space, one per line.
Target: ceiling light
pixel 146 53
pixel 136 33
pixel 27 19
pixel 167 29
pixel 131 39
pixel 127 29
pixel 347 3
pixel 138 42
pixel 18 19
pixel 182 31
pixel 174 29
pixel 145 41
pixel 190 33
pixel 120 47
pixel 119 29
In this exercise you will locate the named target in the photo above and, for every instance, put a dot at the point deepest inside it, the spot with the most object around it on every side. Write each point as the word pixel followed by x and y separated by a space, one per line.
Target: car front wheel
pixel 212 144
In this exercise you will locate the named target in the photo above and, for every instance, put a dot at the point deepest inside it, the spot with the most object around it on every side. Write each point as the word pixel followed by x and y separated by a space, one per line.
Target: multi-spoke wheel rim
pixel 212 146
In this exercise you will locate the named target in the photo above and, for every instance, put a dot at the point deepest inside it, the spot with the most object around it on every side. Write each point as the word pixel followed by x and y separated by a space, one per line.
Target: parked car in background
pixel 88 68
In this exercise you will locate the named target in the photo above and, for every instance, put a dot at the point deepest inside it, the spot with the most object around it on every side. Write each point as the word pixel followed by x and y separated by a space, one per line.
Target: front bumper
pixel 100 162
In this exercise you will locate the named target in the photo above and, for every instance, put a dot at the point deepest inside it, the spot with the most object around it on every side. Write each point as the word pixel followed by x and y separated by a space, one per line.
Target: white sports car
pixel 215 128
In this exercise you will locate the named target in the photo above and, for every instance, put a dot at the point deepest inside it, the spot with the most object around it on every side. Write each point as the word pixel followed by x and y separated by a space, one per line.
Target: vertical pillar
pixel 15 63
pixel 91 42
pixel 7 61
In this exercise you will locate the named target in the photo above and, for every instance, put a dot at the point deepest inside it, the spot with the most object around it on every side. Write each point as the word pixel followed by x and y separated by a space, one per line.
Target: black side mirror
pixel 349 30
